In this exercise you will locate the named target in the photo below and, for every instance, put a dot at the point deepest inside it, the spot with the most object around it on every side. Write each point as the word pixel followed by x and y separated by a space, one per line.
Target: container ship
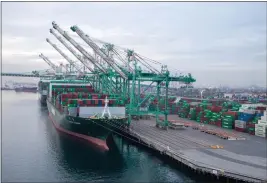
pixel 7 87
pixel 32 89
pixel 76 110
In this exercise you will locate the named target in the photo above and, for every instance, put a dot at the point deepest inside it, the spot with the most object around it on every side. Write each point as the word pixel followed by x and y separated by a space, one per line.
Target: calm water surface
pixel 32 150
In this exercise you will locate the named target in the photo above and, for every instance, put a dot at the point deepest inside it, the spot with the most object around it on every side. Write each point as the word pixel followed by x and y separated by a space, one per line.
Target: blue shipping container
pixel 99 102
pixel 245 117
pixel 259 114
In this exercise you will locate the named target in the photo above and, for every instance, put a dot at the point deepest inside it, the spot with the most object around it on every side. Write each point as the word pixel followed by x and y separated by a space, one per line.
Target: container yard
pixel 216 138
pixel 104 94
pixel 207 150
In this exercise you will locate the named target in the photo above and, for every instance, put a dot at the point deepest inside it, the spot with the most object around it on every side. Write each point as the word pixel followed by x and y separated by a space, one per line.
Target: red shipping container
pixel 80 102
pixel 239 129
pixel 96 102
pixel 84 95
pixel 260 108
pixel 250 125
pixel 216 108
pixel 219 124
pixel 231 113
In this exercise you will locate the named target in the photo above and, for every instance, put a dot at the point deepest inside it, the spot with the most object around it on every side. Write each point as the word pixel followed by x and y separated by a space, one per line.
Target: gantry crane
pixel 79 57
pixel 56 69
pixel 72 63
pixel 123 70
pixel 99 71
pixel 160 77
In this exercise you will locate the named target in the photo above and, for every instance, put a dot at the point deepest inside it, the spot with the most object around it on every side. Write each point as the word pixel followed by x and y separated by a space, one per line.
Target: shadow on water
pixel 79 155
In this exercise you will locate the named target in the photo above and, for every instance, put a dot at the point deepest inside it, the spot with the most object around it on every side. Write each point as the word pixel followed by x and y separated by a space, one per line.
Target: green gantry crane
pixel 120 72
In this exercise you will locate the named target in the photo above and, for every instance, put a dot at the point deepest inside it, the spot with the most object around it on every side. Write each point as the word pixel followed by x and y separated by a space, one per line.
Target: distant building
pixel 228 95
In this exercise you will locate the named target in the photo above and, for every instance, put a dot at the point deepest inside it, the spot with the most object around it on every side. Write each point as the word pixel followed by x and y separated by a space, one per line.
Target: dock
pixel 234 155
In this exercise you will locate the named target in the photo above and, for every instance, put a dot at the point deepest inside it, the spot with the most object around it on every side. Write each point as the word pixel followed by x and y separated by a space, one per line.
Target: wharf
pixel 243 159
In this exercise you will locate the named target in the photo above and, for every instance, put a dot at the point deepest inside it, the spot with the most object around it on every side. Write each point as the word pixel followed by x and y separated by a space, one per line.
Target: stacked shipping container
pixel 226 116
pixel 172 108
pixel 261 127
pixel 67 97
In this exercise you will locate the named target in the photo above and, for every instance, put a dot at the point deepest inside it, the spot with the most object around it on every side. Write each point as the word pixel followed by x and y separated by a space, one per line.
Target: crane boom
pixel 52 64
pixel 71 50
pixel 64 55
pixel 54 67
pixel 98 51
pixel 76 45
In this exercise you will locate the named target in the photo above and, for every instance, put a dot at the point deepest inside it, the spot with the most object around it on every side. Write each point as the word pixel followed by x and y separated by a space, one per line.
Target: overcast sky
pixel 219 43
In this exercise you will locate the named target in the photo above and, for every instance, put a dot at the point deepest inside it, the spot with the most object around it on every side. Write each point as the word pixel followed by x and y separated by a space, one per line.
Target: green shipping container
pixel 227 123
pixel 227 126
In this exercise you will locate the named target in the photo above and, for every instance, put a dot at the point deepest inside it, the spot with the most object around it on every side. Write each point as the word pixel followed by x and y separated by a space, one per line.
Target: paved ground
pixel 245 157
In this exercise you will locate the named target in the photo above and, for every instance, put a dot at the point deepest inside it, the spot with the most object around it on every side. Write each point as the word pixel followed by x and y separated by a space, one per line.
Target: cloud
pixel 244 37
pixel 185 36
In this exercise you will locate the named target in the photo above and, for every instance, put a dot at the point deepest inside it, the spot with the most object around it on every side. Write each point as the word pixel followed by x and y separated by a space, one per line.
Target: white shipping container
pixel 239 121
pixel 260 126
pixel 264 118
pixel 246 106
pixel 249 111
pixel 263 130
pixel 240 126
pixel 259 131
pixel 260 135
pixel 262 122
pixel 89 111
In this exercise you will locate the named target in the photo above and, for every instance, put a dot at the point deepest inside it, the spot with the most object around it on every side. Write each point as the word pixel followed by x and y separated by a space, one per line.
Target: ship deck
pixel 238 159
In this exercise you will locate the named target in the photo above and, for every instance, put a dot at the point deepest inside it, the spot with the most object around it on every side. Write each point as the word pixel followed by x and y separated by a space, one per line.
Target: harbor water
pixel 32 150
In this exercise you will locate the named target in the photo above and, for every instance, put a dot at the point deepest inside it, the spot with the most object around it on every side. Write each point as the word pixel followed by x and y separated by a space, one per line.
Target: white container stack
pixel 261 127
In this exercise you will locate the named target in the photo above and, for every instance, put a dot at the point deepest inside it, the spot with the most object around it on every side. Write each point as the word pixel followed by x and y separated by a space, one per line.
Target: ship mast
pixel 106 109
